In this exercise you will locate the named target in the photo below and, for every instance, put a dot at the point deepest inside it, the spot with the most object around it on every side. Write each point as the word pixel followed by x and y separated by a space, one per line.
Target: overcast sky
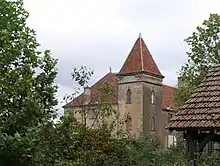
pixel 101 33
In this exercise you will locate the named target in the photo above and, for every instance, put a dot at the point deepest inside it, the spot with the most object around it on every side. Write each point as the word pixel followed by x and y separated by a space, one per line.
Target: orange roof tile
pixel 168 97
pixel 109 78
pixel 140 59
pixel 202 110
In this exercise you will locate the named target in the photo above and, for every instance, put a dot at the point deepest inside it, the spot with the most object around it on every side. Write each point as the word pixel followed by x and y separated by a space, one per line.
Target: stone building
pixel 138 92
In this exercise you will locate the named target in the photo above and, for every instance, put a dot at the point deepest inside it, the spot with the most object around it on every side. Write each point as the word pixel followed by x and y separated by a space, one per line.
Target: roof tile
pixel 202 110
pixel 134 62
pixel 138 59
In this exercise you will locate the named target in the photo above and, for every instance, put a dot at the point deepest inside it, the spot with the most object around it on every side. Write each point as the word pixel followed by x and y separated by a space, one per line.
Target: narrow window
pixel 216 146
pixel 128 96
pixel 153 97
pixel 171 141
pixel 128 123
pixel 92 114
pixel 153 123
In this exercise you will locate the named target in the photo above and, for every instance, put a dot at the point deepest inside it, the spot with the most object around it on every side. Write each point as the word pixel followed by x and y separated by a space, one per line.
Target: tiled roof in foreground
pixel 202 110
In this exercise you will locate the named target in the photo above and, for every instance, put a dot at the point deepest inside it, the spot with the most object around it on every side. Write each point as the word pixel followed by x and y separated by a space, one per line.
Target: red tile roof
pixel 168 98
pixel 202 110
pixel 138 59
pixel 134 62
pixel 108 78
pixel 167 102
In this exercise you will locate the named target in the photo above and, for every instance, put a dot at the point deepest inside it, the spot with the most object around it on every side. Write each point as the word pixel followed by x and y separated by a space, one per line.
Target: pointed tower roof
pixel 140 59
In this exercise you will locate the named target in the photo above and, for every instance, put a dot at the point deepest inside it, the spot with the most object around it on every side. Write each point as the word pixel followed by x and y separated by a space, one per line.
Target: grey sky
pixel 100 33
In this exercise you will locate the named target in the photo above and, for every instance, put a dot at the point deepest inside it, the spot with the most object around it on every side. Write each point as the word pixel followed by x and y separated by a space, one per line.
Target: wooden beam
pixel 196 141
pixel 191 149
pixel 203 142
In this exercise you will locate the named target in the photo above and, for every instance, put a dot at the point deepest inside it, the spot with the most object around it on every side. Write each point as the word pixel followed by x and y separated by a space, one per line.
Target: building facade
pixel 143 103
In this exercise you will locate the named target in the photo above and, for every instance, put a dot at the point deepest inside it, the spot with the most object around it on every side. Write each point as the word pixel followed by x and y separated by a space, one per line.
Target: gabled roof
pixel 202 110
pixel 167 99
pixel 140 59
pixel 109 78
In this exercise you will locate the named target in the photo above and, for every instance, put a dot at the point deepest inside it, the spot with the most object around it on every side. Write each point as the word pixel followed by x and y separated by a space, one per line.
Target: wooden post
pixel 191 150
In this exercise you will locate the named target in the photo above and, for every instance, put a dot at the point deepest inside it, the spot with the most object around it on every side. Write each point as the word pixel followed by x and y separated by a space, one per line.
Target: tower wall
pixel 141 108
pixel 134 109
pixel 152 112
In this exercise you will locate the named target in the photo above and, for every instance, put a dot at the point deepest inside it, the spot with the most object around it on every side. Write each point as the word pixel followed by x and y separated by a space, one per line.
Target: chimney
pixel 87 93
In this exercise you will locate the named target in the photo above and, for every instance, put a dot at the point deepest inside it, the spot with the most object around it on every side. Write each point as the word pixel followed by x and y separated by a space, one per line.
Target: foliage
pixel 82 75
pixel 98 109
pixel 26 76
pixel 27 90
pixel 209 160
pixel 204 52
pixel 67 143
pixel 28 137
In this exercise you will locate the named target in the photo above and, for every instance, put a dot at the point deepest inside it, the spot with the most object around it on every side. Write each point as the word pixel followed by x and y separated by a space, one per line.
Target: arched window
pixel 128 96
pixel 128 123
pixel 153 96
pixel 153 123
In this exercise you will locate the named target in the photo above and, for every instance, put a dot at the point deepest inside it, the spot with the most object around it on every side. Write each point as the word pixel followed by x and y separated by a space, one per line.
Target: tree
pixel 27 90
pixel 204 52
pixel 100 109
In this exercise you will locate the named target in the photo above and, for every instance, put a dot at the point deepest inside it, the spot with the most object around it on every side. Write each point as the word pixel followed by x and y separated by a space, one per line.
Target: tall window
pixel 171 141
pixel 153 123
pixel 216 146
pixel 128 96
pixel 92 114
pixel 153 96
pixel 128 123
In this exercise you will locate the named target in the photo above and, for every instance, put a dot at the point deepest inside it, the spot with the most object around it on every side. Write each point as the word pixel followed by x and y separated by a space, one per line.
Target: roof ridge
pixel 170 86
pixel 140 59
pixel 102 78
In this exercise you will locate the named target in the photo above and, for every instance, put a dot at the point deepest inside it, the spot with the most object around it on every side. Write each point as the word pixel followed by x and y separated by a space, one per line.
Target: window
pixel 171 141
pixel 153 96
pixel 92 114
pixel 128 123
pixel 128 96
pixel 216 146
pixel 153 123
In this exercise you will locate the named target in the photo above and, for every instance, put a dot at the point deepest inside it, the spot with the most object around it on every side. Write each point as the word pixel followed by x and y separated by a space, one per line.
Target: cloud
pixel 100 33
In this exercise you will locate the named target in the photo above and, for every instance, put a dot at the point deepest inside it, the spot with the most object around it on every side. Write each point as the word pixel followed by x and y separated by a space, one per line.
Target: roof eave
pixel 80 105
pixel 167 109
pixel 139 72
pixel 191 128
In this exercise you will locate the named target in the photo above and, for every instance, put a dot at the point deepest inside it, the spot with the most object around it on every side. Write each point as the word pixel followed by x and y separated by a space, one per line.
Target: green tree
pixel 27 90
pixel 204 52
pixel 101 108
